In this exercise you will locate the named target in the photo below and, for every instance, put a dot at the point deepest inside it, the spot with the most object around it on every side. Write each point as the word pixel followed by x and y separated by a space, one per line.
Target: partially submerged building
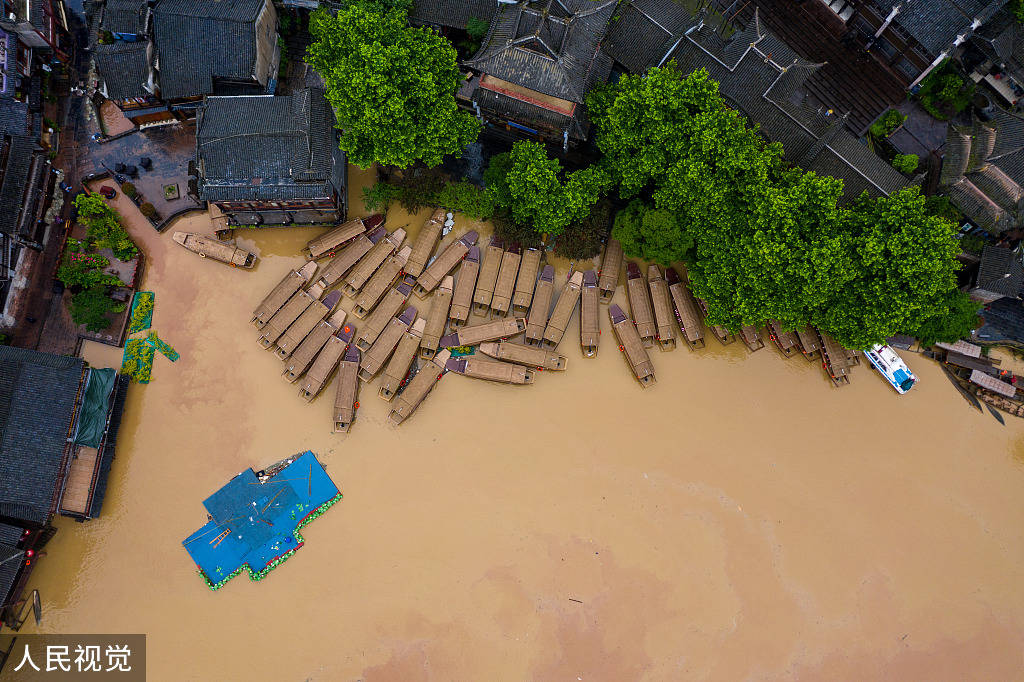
pixel 269 160
pixel 157 61
pixel 58 429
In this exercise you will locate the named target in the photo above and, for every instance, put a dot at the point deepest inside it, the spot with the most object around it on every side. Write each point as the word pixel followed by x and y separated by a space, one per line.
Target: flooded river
pixel 741 520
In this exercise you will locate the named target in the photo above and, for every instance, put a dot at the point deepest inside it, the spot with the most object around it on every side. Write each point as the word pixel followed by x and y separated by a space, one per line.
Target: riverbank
pixel 741 519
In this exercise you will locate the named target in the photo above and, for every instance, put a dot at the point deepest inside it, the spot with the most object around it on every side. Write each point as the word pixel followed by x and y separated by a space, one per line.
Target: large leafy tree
pixel 653 234
pixel 392 87
pixel 533 189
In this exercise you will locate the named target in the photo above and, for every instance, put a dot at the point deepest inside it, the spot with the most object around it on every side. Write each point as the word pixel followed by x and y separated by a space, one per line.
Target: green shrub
pixel 416 193
pixel 515 233
pixel 905 163
pixel 584 239
pixel 957 317
pixel 147 210
pixel 379 196
pixel 91 306
pixel 942 207
pixel 129 189
pixel 972 243
pixel 103 227
pixel 944 92
pixel 81 271
pixel 886 124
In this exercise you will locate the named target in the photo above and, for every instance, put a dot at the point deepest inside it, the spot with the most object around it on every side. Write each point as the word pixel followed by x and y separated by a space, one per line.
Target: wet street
pixel 742 519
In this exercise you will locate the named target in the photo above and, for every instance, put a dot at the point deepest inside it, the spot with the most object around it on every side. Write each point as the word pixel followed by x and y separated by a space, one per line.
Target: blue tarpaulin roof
pixel 253 523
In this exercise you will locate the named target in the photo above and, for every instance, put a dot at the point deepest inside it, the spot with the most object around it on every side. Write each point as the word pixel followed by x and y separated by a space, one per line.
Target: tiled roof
pixel 266 147
pixel 38 397
pixel 10 559
pixel 549 46
pixel 125 16
pixel 936 23
pixel 124 69
pixel 197 40
pixel 643 32
pixel 1000 271
pixel 451 13
pixel 13 116
pixel 1003 322
pixel 979 208
pixel 20 185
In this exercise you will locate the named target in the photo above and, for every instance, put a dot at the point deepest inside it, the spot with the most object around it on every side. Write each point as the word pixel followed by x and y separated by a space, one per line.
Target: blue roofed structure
pixel 255 519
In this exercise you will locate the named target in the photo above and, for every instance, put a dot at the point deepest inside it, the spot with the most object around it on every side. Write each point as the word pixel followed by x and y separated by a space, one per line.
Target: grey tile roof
pixel 978 208
pixel 20 187
pixel 10 563
pixel 451 13
pixel 38 399
pixel 1003 322
pixel 266 147
pixel 125 16
pixel 549 46
pixel 643 32
pixel 13 117
pixel 197 40
pixel 1000 271
pixel 936 23
pixel 124 68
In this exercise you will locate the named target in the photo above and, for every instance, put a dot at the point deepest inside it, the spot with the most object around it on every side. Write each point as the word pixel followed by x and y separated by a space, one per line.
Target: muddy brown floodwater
pixel 741 520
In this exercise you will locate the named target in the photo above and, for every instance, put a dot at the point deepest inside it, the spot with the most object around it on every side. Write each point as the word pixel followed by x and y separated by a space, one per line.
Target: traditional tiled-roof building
pixel 271 160
pixel 537 64
pixel 451 13
pixel 1000 274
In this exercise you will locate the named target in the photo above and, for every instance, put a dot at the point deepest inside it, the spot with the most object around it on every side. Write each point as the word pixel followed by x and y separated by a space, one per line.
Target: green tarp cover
pixel 93 418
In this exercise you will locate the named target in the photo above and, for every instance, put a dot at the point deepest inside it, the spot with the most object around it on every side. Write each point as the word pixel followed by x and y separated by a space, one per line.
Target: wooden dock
pixel 640 304
pixel 473 335
pixel 388 307
pixel 279 295
pixel 326 362
pixel 529 356
pixel 664 316
pixel 462 299
pixel 425 243
pixel 306 322
pixel 340 264
pixel 488 276
pixel 685 308
pixel 632 346
pixel 398 366
pixel 787 342
pixel 505 286
pixel 444 264
pixel 440 302
pixel 751 338
pixel 380 282
pixel 382 348
pixel 490 370
pixel 417 389
pixel 611 266
pixel 541 306
pixel 590 324
pixel 346 398
pixel 368 264
pixel 562 312
pixel 304 355
pixel 526 281
pixel 327 243
pixel 289 312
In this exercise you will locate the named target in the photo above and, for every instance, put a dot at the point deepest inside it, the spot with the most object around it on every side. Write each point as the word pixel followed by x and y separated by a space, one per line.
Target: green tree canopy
pixel 652 233
pixel 392 87
pixel 90 307
pixel 533 189
pixel 103 226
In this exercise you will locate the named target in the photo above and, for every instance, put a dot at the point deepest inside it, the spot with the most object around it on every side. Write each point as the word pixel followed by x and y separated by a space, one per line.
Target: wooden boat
pixel 349 256
pixel 488 276
pixel 346 399
pixel 611 266
pixel 529 356
pixel 436 317
pixel 640 304
pixel 526 281
pixel 834 360
pixel 562 313
pixel 632 346
pixel 724 336
pixel 462 298
pixel 541 307
pixel 329 242
pixel 506 284
pixel 368 264
pixel 326 362
pixel 425 243
pixel 374 358
pixel 398 366
pixel 664 316
pixel 388 307
pixel 590 324
pixel 279 295
pixel 810 344
pixel 685 307
pixel 289 312
pixel 304 355
pixel 444 263
pixel 751 339
pixel 380 282
pixel 305 323
pixel 417 389
pixel 490 370
pixel 786 342
pixel 208 247
pixel 488 331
